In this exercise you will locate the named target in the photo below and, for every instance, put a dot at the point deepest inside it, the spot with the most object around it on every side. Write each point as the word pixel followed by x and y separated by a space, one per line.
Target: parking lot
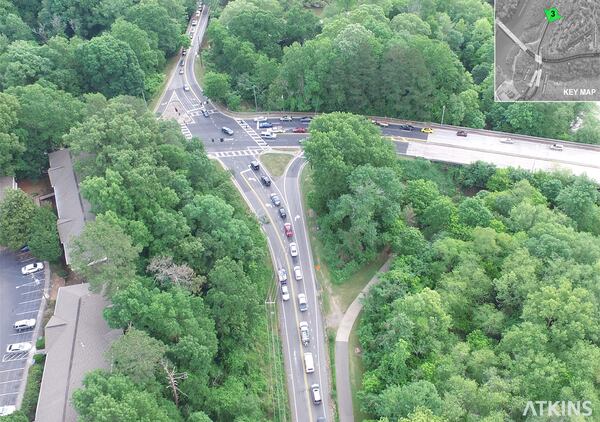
pixel 20 298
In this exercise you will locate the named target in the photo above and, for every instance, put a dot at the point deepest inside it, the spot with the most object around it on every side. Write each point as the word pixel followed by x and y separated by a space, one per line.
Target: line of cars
pixel 282 277
pixel 270 130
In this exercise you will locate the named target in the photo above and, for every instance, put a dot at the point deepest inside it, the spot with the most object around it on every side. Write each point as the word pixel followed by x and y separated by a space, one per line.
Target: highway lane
pixel 258 198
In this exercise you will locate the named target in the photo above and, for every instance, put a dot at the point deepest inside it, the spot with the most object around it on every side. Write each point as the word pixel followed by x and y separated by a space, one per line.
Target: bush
pixel 40 343
pixel 32 391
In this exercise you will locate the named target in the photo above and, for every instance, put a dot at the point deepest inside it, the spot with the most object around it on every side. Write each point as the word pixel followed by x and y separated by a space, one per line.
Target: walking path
pixel 342 366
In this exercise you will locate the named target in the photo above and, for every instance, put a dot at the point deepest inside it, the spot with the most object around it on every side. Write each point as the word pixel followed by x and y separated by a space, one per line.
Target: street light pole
pixel 443 111
pixel 255 103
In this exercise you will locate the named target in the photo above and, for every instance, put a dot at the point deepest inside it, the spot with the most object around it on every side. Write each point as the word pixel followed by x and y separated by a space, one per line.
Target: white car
pixel 268 135
pixel 282 275
pixel 198 13
pixel 293 249
pixel 302 303
pixel 24 324
pixel 507 141
pixel 277 129
pixel 298 272
pixel 556 147
pixel 7 410
pixel 260 119
pixel 304 333
pixel 194 22
pixel 186 87
pixel 32 268
pixel 285 293
pixel 286 118
pixel 18 347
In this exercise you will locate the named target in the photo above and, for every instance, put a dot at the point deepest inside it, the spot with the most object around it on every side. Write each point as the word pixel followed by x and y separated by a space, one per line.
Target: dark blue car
pixel 263 125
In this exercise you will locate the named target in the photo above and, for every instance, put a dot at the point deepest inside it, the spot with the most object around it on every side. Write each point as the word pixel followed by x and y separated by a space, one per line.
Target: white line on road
pixel 27 312
pixel 30 301
pixel 11 370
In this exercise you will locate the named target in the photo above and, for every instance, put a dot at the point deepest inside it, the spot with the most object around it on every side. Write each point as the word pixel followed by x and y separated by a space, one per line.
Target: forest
pixel 411 59
pixel 492 299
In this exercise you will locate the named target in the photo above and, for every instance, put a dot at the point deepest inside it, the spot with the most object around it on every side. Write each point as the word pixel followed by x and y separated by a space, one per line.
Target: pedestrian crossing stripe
pixel 238 153
pixel 255 137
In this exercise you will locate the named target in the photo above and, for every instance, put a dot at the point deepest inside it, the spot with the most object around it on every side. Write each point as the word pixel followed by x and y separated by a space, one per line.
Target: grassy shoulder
pixel 275 162
pixel 171 63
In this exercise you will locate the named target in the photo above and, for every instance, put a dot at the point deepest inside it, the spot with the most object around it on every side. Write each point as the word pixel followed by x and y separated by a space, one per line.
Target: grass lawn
pixel 167 72
pixel 275 162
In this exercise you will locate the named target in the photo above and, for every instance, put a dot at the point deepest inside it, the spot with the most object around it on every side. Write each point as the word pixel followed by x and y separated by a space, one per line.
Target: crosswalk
pixel 252 133
pixel 186 131
pixel 198 112
pixel 238 153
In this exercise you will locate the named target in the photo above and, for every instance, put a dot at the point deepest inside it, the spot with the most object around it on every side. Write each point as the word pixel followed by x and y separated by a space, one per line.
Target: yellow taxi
pixel 427 130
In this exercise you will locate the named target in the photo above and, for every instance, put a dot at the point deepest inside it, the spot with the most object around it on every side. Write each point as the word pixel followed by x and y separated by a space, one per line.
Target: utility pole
pixel 443 111
pixel 255 103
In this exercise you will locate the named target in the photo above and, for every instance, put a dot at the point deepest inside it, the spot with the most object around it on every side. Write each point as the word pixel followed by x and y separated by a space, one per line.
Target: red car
pixel 287 228
pixel 299 130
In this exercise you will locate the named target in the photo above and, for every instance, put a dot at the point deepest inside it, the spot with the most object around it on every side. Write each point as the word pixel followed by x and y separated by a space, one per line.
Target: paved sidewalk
pixel 342 367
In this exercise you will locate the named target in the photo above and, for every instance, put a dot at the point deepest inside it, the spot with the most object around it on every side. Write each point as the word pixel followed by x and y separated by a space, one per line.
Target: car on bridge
pixel 427 130
pixel 462 133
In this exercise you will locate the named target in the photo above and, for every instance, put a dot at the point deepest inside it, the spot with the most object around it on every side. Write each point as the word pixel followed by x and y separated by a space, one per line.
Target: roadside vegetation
pixel 410 59
pixel 492 299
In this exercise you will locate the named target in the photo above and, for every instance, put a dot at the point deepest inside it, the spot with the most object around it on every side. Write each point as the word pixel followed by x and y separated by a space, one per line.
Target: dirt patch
pixel 35 188
pixel 335 314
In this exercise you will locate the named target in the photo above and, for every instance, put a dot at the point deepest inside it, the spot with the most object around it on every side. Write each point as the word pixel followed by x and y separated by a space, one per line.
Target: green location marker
pixel 552 14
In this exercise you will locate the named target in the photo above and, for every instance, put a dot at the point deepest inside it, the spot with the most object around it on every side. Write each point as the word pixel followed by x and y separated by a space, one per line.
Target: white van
pixel 24 324
pixel 309 364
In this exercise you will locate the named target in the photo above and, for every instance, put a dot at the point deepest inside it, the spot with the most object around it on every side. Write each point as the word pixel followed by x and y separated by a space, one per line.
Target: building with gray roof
pixel 77 337
pixel 73 210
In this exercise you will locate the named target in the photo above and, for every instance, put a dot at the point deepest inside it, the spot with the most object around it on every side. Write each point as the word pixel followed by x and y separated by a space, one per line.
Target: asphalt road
pixel 236 152
pixel 20 298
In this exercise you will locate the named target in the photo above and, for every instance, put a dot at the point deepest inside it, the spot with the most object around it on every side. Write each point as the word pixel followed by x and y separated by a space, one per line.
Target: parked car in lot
pixel 265 125
pixel 282 275
pixel 302 304
pixel 304 333
pixel 556 147
pixel 268 135
pixel 32 268
pixel 260 119
pixel 275 199
pixel 282 213
pixel 24 324
pixel 293 249
pixel 285 293
pixel 299 130
pixel 507 140
pixel 287 228
pixel 19 347
pixel 265 180
pixel 254 165
pixel 7 410
pixel 461 133
pixel 286 118
pixel 298 273
pixel 427 130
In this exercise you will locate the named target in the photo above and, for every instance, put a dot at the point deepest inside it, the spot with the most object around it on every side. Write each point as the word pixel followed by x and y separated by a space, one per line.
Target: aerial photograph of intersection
pixel 547 51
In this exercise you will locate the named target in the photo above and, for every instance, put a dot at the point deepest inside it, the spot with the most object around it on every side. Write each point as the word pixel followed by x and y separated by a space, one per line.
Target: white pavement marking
pixel 511 35
pixel 252 133
pixel 245 152
pixel 187 133
pixel 30 301
pixel 11 370
pixel 27 312
pixel 539 77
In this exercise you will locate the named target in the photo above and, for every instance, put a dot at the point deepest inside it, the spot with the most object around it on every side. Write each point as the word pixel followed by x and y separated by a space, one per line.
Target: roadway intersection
pixel 184 101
